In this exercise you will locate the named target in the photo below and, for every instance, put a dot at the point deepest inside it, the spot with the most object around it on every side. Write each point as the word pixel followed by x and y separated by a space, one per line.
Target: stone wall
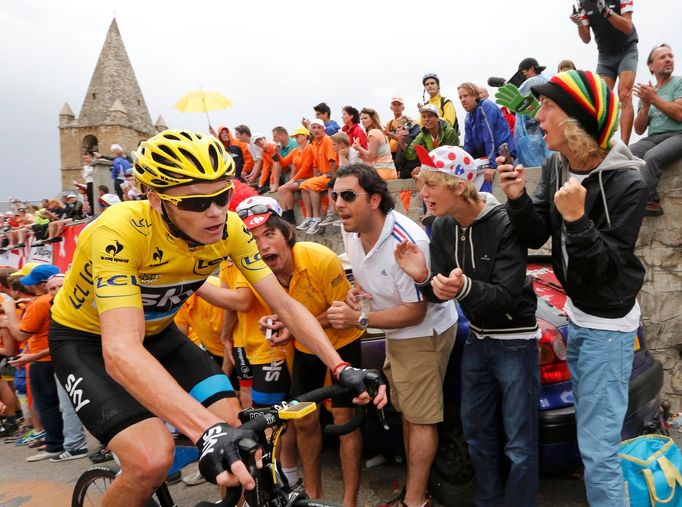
pixel 660 249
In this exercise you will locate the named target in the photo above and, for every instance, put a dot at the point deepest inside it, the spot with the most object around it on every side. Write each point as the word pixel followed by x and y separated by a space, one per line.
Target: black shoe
pixel 8 429
pixel 54 240
pixel 263 190
pixel 100 456
pixel 20 245
pixel 174 478
pixel 653 209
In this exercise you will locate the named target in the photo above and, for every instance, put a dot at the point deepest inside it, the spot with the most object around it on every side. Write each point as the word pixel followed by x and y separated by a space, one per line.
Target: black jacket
pixel 598 267
pixel 497 296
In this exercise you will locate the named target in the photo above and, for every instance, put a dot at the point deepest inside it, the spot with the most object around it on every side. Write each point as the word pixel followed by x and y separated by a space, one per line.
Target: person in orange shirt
pixel 325 164
pixel 238 150
pixel 34 327
pixel 301 158
pixel 271 158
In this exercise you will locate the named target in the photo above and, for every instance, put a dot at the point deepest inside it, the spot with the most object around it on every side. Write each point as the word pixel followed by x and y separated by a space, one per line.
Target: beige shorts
pixel 415 368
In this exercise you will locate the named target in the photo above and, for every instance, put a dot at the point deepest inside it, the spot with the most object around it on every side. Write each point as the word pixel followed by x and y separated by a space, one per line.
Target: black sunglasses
pixel 256 209
pixel 199 203
pixel 347 195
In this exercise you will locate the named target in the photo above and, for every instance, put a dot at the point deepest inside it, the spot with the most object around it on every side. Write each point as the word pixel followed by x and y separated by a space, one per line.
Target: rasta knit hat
pixel 584 96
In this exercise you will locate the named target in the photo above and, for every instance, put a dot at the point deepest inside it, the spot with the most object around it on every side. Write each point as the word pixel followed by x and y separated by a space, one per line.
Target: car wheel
pixel 452 481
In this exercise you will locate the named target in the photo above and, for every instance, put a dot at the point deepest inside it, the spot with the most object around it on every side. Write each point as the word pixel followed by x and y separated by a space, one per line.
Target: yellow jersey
pixel 128 258
pixel 205 321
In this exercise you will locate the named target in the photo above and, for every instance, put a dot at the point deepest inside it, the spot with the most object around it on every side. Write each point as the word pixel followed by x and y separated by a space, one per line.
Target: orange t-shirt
pixel 323 152
pixel 37 322
pixel 302 159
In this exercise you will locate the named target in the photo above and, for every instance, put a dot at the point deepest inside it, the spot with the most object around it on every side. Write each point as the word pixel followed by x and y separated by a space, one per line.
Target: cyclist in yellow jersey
pixel 123 362
pixel 313 275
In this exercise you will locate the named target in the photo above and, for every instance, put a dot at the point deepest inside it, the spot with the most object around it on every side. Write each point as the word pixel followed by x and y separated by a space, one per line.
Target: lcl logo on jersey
pixel 143 226
pixel 206 267
pixel 251 263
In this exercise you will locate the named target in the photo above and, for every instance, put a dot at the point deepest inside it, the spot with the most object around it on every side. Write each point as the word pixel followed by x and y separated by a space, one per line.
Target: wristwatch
pixel 363 321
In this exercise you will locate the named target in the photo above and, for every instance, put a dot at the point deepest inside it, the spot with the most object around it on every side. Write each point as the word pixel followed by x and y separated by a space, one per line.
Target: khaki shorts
pixel 415 368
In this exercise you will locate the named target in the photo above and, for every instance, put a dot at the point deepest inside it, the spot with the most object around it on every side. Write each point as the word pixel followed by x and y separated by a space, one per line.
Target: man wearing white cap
pixel 485 271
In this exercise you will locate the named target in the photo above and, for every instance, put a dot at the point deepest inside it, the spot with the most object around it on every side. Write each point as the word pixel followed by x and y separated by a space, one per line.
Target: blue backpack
pixel 651 468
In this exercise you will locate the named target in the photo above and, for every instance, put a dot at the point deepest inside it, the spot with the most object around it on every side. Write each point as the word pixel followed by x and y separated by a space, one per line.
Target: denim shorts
pixel 612 64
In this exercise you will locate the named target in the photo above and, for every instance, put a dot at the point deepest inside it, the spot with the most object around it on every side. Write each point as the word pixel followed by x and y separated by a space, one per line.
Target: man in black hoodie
pixel 477 260
pixel 590 200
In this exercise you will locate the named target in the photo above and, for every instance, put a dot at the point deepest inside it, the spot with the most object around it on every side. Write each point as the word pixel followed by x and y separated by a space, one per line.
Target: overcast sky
pixel 274 60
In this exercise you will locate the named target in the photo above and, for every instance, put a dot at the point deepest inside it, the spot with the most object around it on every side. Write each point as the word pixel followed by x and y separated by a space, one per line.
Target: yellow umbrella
pixel 201 101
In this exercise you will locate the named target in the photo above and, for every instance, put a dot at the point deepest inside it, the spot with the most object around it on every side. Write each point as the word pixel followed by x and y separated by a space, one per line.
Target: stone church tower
pixel 114 111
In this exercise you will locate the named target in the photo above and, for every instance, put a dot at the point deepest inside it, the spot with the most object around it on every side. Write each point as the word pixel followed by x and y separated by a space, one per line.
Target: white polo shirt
pixel 378 273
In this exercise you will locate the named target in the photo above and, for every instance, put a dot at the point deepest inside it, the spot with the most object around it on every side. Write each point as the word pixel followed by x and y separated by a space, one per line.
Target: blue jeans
pixel 600 363
pixel 44 391
pixel 504 373
pixel 74 436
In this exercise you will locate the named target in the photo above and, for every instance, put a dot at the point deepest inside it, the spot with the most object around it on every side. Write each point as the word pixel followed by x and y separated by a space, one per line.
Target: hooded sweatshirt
pixel 497 297
pixel 593 257
pixel 239 151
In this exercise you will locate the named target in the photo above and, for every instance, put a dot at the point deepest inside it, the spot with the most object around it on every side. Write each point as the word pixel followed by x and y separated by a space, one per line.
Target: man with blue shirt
pixel 485 129
pixel 660 110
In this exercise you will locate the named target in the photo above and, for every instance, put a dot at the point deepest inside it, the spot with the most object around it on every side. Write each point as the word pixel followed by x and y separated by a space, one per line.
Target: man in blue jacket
pixel 485 129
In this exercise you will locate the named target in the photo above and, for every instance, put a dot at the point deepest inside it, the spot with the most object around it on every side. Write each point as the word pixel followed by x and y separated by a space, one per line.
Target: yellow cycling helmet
pixel 180 157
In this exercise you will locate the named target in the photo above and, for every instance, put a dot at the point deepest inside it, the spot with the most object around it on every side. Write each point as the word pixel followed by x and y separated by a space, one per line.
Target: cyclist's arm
pixel 131 365
pixel 300 322
pixel 239 299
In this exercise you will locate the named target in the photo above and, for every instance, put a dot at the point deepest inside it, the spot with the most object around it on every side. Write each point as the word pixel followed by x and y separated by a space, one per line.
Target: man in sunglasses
pixel 420 335
pixel 126 366
pixel 313 275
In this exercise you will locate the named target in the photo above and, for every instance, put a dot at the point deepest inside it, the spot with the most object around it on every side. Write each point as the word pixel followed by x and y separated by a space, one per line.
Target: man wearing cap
pixel 445 107
pixel 301 160
pixel 434 133
pixel 660 111
pixel 485 271
pixel 590 201
pixel 485 129
pixel 313 275
pixel 531 148
pixel 34 327
pixel 400 121
pixel 616 37
pixel 420 335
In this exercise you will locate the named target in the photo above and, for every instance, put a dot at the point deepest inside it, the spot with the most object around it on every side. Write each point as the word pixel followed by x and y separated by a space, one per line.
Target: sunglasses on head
pixel 256 209
pixel 199 203
pixel 347 195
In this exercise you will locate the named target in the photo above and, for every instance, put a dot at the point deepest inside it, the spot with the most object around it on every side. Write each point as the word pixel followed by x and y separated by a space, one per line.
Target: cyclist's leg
pixel 308 374
pixel 145 452
pixel 350 448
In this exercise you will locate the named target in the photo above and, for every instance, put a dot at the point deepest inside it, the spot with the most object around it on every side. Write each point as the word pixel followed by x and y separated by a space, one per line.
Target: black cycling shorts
pixel 243 367
pixel 104 407
pixel 271 383
pixel 309 372
pixel 234 380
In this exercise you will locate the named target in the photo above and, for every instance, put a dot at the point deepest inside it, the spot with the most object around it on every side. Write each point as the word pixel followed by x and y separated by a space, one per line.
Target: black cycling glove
pixel 359 381
pixel 219 449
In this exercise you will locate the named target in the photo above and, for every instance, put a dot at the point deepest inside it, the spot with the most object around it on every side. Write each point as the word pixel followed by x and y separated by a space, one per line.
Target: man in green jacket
pixel 434 133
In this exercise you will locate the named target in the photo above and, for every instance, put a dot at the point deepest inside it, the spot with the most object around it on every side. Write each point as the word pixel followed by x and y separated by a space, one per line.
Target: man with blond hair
pixel 590 200
pixel 485 272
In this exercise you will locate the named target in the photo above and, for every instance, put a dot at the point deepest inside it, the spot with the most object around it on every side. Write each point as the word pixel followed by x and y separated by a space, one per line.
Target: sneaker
pixel 193 479
pixel 8 429
pixel 69 455
pixel 338 223
pixel 653 209
pixel 315 227
pixel 36 442
pixel 43 455
pixel 32 436
pixel 100 456
pixel 304 225
pixel 54 240
pixel 174 478
pixel 329 219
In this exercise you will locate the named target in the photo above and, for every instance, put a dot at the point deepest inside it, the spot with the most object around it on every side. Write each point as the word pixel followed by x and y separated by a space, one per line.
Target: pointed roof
pixel 114 78
pixel 161 124
pixel 66 110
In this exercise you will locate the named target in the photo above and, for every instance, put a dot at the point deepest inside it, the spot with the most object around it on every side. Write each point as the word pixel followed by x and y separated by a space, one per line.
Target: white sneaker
pixel 304 225
pixel 43 455
pixel 314 227
pixel 329 219
pixel 193 479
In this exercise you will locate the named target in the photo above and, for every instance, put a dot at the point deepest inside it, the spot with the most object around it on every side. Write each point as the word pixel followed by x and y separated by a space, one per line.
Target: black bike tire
pixel 89 477
pixel 312 502
pixel 86 479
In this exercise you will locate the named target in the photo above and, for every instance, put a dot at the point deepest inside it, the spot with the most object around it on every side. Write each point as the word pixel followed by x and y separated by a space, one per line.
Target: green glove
pixel 510 96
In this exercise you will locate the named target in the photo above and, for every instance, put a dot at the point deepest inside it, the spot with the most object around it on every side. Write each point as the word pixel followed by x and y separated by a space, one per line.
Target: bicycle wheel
pixel 92 484
pixel 311 502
